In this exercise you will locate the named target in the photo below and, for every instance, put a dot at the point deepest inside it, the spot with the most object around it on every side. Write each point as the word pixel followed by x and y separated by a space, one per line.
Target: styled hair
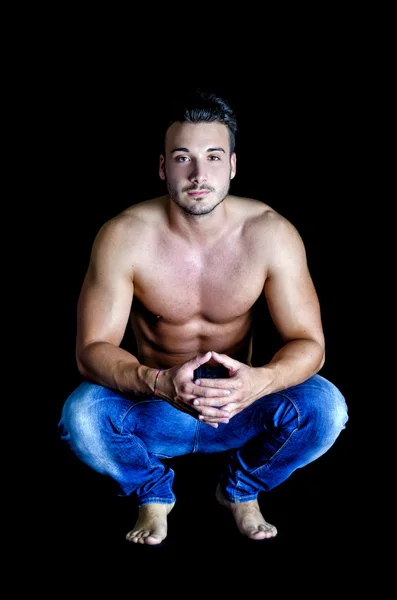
pixel 198 106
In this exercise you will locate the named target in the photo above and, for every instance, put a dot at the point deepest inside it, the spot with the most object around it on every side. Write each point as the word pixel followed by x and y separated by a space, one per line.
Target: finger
pixel 226 361
pixel 226 384
pixel 199 360
pixel 210 391
pixel 216 403
pixel 210 420
pixel 211 412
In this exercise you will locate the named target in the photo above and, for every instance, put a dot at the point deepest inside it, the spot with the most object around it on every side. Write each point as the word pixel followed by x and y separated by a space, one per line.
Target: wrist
pixel 156 382
pixel 146 378
pixel 161 386
pixel 265 381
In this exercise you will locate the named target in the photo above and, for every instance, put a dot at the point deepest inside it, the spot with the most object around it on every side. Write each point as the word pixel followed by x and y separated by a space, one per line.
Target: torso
pixel 190 300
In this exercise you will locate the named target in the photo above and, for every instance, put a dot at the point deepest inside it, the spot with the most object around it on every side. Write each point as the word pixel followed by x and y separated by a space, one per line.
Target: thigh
pixel 165 430
pixel 316 404
pixel 93 411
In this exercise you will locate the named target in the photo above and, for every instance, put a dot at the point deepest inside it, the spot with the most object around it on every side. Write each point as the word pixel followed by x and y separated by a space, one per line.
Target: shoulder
pixel 131 225
pixel 264 223
pixel 269 236
pixel 124 240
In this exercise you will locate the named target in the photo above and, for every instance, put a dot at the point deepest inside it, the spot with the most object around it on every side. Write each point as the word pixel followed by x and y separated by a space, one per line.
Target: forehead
pixel 197 136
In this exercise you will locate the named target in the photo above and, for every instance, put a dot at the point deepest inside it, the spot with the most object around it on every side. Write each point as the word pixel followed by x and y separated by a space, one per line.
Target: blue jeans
pixel 128 437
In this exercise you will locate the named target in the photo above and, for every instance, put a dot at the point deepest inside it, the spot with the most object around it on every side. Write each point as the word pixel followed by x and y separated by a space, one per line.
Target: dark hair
pixel 198 105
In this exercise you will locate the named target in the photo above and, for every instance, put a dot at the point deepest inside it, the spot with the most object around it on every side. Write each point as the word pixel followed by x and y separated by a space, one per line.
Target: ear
pixel 162 167
pixel 233 161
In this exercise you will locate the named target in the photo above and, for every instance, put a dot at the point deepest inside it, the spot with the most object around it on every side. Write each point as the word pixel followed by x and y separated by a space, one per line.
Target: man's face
pixel 197 165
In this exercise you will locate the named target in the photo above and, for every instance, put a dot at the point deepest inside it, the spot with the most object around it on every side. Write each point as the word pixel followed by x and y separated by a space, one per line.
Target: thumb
pixel 201 359
pixel 225 360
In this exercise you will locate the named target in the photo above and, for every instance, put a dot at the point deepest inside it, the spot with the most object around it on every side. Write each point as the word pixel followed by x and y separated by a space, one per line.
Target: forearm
pixel 115 368
pixel 294 363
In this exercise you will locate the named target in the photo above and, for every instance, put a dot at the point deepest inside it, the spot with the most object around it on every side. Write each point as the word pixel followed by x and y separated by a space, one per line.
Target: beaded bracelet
pixel 156 381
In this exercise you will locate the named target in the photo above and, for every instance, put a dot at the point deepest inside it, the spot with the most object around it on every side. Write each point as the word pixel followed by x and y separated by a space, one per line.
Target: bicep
pixel 290 293
pixel 106 296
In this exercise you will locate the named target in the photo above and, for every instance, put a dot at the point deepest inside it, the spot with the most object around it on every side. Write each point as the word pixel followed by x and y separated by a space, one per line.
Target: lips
pixel 197 193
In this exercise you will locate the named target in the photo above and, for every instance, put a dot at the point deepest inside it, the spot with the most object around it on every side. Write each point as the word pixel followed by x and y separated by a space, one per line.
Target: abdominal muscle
pixel 165 345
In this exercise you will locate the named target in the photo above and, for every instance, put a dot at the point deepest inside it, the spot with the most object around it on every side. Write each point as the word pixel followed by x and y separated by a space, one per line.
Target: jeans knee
pixel 79 417
pixel 332 414
pixel 322 410
pixel 83 426
pixel 340 412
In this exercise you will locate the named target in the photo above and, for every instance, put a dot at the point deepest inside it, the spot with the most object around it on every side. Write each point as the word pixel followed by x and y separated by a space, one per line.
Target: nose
pixel 198 173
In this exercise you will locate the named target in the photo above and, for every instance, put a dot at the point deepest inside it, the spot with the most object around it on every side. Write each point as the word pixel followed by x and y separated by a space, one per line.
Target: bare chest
pixel 181 285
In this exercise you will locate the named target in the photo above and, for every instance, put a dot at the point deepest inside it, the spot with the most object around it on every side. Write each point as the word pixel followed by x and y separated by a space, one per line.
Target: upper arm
pixel 289 290
pixel 106 295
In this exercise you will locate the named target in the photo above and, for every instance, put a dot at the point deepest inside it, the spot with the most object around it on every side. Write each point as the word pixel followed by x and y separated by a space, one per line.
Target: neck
pixel 198 229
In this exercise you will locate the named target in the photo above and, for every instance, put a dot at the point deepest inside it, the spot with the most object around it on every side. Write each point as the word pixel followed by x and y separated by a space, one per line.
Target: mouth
pixel 198 193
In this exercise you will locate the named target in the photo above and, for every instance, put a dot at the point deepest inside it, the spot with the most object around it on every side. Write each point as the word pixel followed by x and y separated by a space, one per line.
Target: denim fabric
pixel 128 437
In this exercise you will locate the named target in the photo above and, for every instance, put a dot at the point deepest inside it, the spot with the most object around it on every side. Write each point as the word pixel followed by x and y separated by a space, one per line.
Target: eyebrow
pixel 208 150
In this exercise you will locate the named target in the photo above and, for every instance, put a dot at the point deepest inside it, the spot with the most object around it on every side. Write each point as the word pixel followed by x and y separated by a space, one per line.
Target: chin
pixel 201 209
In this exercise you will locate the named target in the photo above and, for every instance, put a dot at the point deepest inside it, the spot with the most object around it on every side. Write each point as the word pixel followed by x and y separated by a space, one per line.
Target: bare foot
pixel 151 526
pixel 248 518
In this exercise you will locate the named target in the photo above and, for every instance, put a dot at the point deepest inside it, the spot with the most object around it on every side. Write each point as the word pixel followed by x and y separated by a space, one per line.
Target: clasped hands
pixel 212 401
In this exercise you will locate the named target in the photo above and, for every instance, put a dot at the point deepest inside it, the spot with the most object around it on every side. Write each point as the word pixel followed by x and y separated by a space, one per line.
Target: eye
pixel 181 159
pixel 214 158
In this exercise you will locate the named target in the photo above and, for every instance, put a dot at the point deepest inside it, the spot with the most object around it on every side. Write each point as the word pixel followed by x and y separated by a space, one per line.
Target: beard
pixel 202 206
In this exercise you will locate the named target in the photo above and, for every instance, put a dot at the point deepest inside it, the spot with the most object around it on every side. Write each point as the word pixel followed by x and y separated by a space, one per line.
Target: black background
pixel 299 149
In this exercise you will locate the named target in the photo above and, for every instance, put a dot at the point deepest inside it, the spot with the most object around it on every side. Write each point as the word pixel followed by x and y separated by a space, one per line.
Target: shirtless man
pixel 185 270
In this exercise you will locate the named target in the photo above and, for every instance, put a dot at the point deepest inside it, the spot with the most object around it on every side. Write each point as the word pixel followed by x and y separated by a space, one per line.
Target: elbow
pixel 80 364
pixel 322 358
pixel 80 367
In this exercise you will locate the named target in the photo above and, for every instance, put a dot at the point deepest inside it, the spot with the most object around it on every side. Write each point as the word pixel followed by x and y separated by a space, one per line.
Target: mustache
pixel 200 188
